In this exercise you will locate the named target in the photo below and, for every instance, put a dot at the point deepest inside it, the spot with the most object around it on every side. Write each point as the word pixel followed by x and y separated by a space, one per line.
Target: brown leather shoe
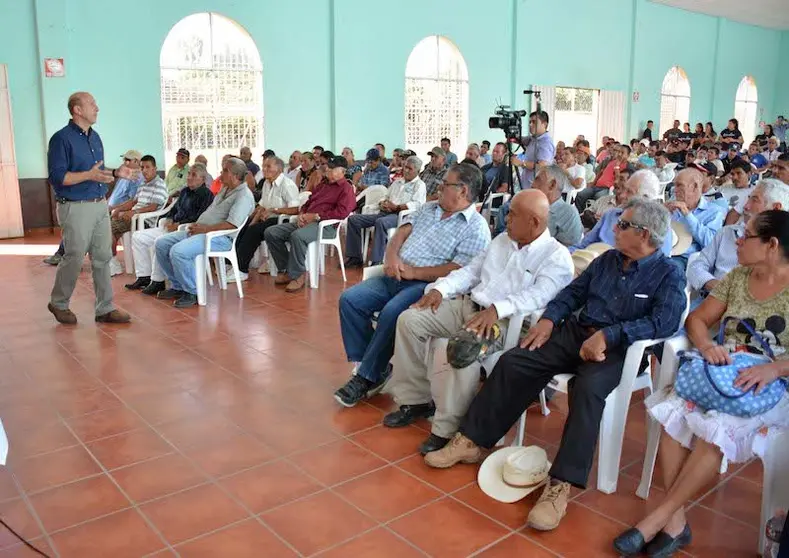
pixel 459 450
pixel 63 316
pixel 296 284
pixel 114 317
pixel 282 279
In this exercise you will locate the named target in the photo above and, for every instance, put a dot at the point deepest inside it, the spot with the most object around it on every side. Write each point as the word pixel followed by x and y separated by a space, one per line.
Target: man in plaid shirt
pixel 151 196
pixel 434 172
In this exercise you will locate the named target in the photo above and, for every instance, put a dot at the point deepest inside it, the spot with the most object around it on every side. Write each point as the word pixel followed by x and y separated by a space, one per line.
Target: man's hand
pixel 681 206
pixel 124 172
pixel 125 215
pixel 392 266
pixel 482 322
pixel 711 284
pixel 196 228
pixel 171 227
pixel 432 299
pixel 387 206
pixel 593 349
pixel 98 175
pixel 407 272
pixel 307 219
pixel 538 335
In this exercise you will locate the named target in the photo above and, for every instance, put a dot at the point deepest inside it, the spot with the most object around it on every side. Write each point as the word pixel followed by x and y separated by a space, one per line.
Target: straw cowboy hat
pixel 582 258
pixel 681 238
pixel 511 474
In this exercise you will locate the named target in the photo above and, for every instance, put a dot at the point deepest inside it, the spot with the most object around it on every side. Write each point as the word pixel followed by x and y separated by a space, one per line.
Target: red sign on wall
pixel 54 67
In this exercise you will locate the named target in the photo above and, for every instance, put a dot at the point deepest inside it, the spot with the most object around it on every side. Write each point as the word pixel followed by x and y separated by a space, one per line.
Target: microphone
pixel 529 92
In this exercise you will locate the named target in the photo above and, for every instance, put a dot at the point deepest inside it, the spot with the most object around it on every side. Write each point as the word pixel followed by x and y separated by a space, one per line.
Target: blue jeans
pixel 381 222
pixel 176 252
pixel 373 348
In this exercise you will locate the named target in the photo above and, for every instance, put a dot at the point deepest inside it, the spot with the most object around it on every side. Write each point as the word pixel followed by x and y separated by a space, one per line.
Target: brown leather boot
pixel 282 279
pixel 63 316
pixel 459 450
pixel 114 317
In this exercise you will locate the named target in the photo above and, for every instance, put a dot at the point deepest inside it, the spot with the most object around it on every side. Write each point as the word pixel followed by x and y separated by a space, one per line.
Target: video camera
pixel 509 121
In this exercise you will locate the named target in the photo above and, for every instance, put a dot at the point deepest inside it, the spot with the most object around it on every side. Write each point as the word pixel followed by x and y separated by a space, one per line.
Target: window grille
pixel 746 105
pixel 674 99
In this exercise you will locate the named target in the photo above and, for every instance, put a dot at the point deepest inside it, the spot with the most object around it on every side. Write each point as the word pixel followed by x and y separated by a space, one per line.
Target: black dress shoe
pixel 170 294
pixel 664 545
pixel 630 543
pixel 140 283
pixel 153 288
pixel 352 263
pixel 408 414
pixel 186 301
pixel 433 443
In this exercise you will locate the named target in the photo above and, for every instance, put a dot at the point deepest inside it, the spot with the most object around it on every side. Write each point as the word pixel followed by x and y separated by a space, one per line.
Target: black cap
pixel 337 161
pixel 707 168
pixel 183 151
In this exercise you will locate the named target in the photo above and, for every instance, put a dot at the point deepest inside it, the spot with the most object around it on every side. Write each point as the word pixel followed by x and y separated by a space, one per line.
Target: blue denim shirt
pixel 645 301
pixel 72 150
pixel 373 177
pixel 703 223
pixel 125 189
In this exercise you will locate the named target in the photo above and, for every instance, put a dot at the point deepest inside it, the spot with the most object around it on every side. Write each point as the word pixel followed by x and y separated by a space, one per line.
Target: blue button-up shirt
pixel 374 176
pixel 603 231
pixel 125 189
pixel 540 148
pixel 644 301
pixel 191 204
pixel 435 241
pixel 703 222
pixel 72 150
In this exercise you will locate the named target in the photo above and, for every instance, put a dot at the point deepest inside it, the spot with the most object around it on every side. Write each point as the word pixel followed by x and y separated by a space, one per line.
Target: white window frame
pixel 746 108
pixel 674 99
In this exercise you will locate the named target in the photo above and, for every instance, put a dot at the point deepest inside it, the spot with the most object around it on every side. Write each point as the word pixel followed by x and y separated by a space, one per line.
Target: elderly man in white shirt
pixel 278 192
pixel 408 192
pixel 519 273
pixel 294 165
pixel 720 256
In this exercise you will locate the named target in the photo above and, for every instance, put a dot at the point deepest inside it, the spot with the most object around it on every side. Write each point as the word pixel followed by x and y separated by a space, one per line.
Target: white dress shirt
pixel 717 258
pixel 413 194
pixel 576 171
pixel 282 193
pixel 730 191
pixel 772 155
pixel 292 174
pixel 515 281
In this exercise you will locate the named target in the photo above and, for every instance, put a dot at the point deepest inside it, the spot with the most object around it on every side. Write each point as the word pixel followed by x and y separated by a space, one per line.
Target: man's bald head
pixel 528 216
pixel 688 185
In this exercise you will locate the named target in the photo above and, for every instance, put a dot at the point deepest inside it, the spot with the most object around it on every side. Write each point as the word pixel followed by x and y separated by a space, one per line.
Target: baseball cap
pixel 132 154
pixel 734 146
pixel 372 154
pixel 268 153
pixel 328 155
pixel 705 168
pixel 183 151
pixel 337 161
pixel 438 152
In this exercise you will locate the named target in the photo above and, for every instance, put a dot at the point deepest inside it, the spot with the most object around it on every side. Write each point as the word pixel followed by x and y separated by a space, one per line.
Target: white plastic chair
pixel 203 267
pixel 367 233
pixel 489 212
pixel 617 404
pixel 138 223
pixel 775 487
pixel 572 194
pixel 262 253
pixel 316 264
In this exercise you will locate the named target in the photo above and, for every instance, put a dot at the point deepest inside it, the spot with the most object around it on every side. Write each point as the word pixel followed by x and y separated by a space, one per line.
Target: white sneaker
pixel 116 267
pixel 231 278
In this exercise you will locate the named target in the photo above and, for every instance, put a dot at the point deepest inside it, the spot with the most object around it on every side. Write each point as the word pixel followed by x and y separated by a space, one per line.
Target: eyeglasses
pixel 624 225
pixel 455 184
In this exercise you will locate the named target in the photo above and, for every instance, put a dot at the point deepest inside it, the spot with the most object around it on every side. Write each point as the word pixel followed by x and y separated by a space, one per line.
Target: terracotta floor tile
pixel 738 498
pixel 248 539
pixel 392 444
pixel 21 551
pixel 379 543
pixel 225 457
pixel 190 513
pixel 292 435
pixel 105 423
pixel 447 480
pixel 512 515
pixel 317 523
pixel 41 439
pixel 591 534
pixel 71 404
pixel 80 501
pixel 515 545
pixel 16 514
pixel 387 493
pixel 121 535
pixel 754 472
pixel 337 462
pixel 419 527
pixel 270 485
pixel 8 488
pixel 196 431
pixel 52 469
pixel 623 505
pixel 158 477
pixel 167 407
pixel 128 448
pixel 715 535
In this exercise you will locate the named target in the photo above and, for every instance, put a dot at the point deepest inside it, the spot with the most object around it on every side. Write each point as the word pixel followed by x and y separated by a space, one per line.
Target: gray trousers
pixel 299 238
pixel 413 384
pixel 382 222
pixel 86 229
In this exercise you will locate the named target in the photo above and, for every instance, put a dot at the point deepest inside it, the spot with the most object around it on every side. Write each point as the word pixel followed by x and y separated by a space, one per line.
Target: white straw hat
pixel 510 474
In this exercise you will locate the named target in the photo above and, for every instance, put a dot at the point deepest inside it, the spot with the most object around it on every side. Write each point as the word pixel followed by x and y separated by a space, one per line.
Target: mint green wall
pixel 333 69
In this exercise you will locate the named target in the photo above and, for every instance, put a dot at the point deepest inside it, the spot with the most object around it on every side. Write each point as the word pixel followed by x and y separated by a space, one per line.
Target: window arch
pixel 674 98
pixel 746 104
pixel 436 95
pixel 211 89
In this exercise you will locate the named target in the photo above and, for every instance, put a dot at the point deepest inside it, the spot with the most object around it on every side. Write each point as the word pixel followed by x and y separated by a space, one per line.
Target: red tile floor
pixel 212 432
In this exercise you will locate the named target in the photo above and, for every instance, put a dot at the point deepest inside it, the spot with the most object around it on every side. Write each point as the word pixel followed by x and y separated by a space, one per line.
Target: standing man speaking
pixel 78 176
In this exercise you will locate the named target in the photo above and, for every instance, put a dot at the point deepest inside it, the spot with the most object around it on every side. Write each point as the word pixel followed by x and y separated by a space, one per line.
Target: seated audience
pixel 604 180
pixel 694 441
pixel 780 168
pixel 317 151
pixel 406 193
pixel 396 165
pixel 277 193
pixel 439 238
pixel 308 176
pixel 375 172
pixel 496 174
pixel 720 256
pixel 731 134
pixel 191 203
pixel 673 132
pixel 647 133
pixel 354 171
pixel 732 197
pixel 595 210
pixel 333 198
pixel 772 152
pixel 126 188
pixel 647 159
pixel 702 218
pixel 484 149
pixel 451 158
pixel 472 152
pixel 201 159
pixel 245 154
pixel 520 272
pixel 216 184
pixel 564 223
pixel 435 170
pixel 664 173
pixel 732 155
pixel 176 251
pixel 625 295
pixel 151 195
pixel 294 165
pixel 713 156
pixel 583 158
pixel 576 173
pixel 176 176
pixel 382 152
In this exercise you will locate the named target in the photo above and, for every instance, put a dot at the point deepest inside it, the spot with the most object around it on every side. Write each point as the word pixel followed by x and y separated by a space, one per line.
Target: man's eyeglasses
pixel 455 184
pixel 624 225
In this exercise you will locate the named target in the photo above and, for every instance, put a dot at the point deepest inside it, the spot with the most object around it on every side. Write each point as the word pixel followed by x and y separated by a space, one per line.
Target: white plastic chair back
pixel 138 223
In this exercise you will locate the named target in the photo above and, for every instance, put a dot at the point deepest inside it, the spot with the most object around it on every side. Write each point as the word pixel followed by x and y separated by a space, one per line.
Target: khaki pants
pixel 86 229
pixel 413 384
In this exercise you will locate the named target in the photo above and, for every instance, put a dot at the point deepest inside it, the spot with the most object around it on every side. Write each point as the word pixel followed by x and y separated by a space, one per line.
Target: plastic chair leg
pixel 313 265
pixel 612 430
pixel 200 279
pixel 544 404
pixel 342 265
pixel 653 442
pixel 128 256
pixel 236 273
pixel 221 273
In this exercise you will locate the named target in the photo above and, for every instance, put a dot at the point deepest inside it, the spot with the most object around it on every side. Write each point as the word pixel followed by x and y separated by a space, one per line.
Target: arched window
pixel 674 99
pixel 436 96
pixel 212 89
pixel 746 108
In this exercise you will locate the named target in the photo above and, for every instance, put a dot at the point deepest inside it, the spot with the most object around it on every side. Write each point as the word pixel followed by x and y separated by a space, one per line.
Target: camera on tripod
pixel 509 121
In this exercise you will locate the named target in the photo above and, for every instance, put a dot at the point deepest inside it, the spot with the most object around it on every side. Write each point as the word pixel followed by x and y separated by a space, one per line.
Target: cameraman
pixel 538 149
